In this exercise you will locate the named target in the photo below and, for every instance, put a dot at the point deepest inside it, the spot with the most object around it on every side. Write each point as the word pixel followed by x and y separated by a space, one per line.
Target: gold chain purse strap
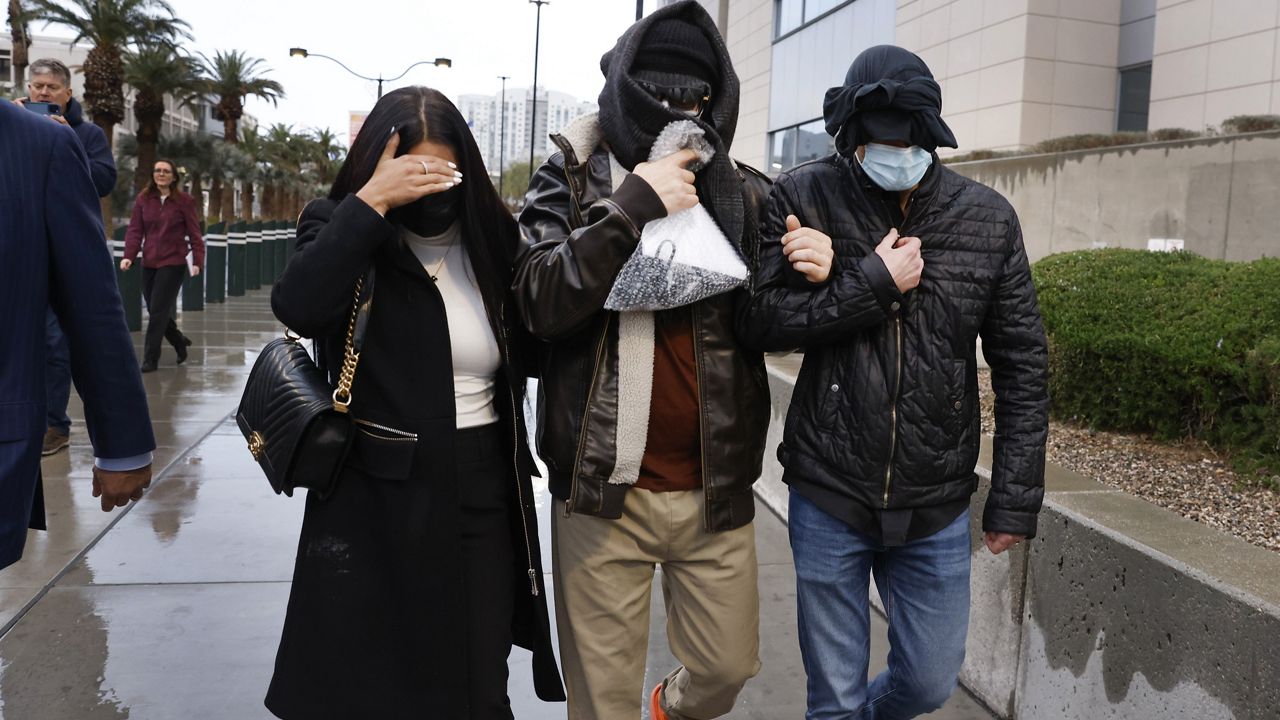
pixel 350 357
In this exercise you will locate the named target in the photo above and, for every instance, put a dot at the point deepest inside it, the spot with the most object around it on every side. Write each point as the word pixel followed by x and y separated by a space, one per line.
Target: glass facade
pixel 798 144
pixel 789 15
pixel 1135 99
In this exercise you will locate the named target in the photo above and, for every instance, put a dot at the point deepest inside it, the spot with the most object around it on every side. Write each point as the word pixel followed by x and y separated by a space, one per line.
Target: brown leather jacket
pixel 582 233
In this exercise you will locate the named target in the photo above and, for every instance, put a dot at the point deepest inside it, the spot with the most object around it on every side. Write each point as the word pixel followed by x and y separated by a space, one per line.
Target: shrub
pixel 1088 142
pixel 1167 134
pixel 980 155
pixel 1168 343
pixel 1250 123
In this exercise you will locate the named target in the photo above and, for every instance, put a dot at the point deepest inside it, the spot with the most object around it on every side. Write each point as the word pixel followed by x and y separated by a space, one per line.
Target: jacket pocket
pixel 957 401
pixel 383 452
pixel 828 385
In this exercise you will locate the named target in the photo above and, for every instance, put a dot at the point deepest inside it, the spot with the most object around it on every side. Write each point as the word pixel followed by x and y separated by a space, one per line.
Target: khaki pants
pixel 603 582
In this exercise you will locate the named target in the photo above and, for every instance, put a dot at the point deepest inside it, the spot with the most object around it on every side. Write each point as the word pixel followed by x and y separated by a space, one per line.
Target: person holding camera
pixel 163 227
pixel 49 95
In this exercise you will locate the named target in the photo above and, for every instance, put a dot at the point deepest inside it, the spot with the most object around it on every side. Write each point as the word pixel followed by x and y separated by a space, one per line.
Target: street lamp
pixel 438 62
pixel 533 124
pixel 502 138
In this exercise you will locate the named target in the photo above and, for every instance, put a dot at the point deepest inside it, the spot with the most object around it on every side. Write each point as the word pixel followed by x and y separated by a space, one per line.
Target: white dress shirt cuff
pixel 123 464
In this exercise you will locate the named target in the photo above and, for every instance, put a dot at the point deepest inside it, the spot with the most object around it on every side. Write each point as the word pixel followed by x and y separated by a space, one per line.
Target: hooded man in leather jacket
pixel 652 425
pixel 887 268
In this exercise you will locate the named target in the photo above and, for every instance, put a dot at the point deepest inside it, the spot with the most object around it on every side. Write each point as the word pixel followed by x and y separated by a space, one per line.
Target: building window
pixel 781 151
pixel 1135 99
pixel 787 16
pixel 798 144
pixel 6 67
pixel 791 15
pixel 814 9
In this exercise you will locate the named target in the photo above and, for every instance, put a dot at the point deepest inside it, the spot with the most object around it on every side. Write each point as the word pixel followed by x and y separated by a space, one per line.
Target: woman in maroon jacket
pixel 164 225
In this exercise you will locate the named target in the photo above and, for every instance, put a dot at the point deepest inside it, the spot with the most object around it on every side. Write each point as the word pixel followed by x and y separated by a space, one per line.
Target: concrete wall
pixel 1216 194
pixel 749 36
pixel 1015 72
pixel 1214 59
pixel 1117 609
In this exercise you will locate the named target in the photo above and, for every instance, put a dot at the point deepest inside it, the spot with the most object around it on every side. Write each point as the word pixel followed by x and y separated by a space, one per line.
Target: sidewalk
pixel 172 610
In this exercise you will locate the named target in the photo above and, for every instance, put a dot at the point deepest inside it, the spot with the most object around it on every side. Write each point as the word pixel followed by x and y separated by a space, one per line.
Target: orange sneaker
pixel 655 704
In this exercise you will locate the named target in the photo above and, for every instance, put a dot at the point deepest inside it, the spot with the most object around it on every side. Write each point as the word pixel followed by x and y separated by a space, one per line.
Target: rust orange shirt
pixel 673 451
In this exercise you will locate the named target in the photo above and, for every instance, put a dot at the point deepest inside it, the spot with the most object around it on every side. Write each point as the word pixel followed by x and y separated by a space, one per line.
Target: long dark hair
pixel 174 187
pixel 489 231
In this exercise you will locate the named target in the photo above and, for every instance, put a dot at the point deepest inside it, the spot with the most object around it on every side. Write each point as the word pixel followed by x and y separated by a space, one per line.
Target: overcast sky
pixel 484 38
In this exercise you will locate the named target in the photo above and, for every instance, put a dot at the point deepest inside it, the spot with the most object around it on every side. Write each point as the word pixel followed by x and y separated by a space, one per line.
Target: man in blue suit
pixel 51 83
pixel 53 254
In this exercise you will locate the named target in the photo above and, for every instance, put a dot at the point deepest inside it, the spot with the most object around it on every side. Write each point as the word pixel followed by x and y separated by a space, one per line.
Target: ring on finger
pixel 425 170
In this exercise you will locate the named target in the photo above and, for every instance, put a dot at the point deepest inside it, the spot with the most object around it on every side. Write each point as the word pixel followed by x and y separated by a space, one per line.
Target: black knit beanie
pixel 675 46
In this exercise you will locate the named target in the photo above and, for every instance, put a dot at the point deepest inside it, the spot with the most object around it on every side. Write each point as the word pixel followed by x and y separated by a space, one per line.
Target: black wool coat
pixel 374 626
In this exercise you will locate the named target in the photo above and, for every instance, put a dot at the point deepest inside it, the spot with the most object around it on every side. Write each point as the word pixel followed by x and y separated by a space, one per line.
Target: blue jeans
pixel 925 589
pixel 57 374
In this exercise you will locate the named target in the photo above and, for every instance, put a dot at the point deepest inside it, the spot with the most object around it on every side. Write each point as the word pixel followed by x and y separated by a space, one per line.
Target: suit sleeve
pixel 1014 344
pixel 101 165
pixel 193 232
pixel 83 293
pixel 335 247
pixel 787 312
pixel 564 278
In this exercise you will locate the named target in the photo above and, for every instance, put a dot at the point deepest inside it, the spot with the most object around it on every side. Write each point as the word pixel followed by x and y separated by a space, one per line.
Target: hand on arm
pixel 809 251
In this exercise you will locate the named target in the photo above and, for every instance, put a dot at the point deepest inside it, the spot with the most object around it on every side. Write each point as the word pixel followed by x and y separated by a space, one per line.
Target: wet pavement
pixel 172 609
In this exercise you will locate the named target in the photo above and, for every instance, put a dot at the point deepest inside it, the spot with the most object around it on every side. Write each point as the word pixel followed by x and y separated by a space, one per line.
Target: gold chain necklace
pixel 435 276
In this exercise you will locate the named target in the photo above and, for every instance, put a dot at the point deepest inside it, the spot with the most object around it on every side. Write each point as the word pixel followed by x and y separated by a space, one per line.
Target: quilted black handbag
pixel 295 422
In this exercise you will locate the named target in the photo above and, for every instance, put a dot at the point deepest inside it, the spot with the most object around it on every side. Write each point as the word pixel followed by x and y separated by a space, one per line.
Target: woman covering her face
pixel 419 571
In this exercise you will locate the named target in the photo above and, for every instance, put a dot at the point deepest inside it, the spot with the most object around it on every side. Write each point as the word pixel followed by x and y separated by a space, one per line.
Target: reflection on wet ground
pixel 174 608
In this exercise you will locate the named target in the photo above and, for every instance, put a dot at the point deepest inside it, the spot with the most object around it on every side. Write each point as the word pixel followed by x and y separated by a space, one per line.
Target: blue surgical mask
pixel 895 168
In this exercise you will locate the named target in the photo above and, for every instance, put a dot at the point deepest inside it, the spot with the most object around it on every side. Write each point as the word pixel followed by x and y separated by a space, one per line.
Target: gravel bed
pixel 1188 478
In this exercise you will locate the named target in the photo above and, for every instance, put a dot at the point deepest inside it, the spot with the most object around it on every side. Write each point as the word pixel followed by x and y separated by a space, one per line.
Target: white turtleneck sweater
pixel 476 357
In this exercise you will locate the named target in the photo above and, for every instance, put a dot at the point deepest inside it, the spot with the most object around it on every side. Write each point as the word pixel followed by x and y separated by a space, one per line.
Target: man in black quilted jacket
pixel 886 267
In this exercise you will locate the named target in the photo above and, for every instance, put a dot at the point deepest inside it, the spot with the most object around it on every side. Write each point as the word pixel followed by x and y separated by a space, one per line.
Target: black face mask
pixel 430 215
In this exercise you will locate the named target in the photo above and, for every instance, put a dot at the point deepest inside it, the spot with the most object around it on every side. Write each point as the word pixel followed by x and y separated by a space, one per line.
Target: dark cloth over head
pixel 631 117
pixel 888 94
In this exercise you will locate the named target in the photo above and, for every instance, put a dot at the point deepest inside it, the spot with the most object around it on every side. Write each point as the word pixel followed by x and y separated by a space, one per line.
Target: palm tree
pixel 21 41
pixel 254 148
pixel 154 71
pixel 223 161
pixel 327 156
pixel 293 159
pixel 234 76
pixel 112 26
pixel 196 153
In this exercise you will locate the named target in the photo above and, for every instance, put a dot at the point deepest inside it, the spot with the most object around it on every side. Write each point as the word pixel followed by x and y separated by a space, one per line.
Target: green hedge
pixel 1235 125
pixel 1168 343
